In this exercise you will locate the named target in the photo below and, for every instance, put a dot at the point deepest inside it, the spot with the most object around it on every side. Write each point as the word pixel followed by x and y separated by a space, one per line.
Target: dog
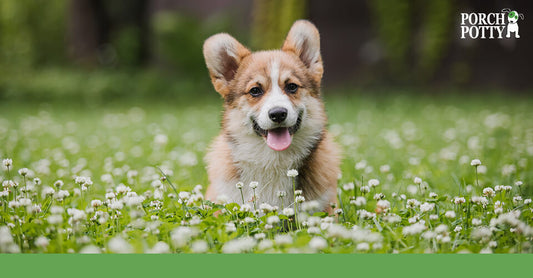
pixel 274 120
pixel 512 26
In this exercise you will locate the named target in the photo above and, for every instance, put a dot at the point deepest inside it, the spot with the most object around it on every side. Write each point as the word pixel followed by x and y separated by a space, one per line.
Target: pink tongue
pixel 279 139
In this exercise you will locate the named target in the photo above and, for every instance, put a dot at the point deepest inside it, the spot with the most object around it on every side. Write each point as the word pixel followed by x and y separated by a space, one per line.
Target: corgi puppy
pixel 274 120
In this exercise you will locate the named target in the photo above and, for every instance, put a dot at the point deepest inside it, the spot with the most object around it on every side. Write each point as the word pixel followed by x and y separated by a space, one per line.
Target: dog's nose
pixel 277 114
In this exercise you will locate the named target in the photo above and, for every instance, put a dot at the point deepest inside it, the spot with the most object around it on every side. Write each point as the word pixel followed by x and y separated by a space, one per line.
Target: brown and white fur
pixel 241 153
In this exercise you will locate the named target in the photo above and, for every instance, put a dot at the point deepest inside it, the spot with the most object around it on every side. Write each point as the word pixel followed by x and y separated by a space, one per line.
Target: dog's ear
pixel 304 41
pixel 223 54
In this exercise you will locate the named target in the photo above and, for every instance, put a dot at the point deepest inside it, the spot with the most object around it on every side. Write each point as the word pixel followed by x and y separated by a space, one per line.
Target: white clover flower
pixel 239 245
pixel 55 219
pixel 429 235
pixel 184 195
pixel 517 199
pixel 119 245
pixel 283 239
pixel 313 230
pixel 476 221
pixel 365 214
pixel 482 201
pixel 373 182
pixel 246 208
pixel 96 203
pixel 249 220
pixel 310 206
pixel 115 204
pixel 518 183
pixel 527 201
pixel 292 173
pixel 122 189
pixel 230 227
pixel 475 162
pixel 24 202
pixel 433 195
pixel 282 194
pixel 110 195
pixel 379 196
pixel 507 188
pixel 489 192
pixel 348 186
pixel 266 208
pixel 57 210
pixel 458 229
pixel 417 180
pixel 199 246
pixel 382 206
pixel 384 168
pixel 313 221
pixel 7 162
pixel 433 217
pixel 450 214
pixel 412 203
pixel 182 235
pixel 318 243
pixel 298 192
pixel 42 242
pixel 288 211
pixel 338 211
pixel 359 201
pixel 365 189
pixel 360 165
pixel 414 229
pixel 268 227
pixel 47 191
pixel 159 248
pixel 363 246
pixel 23 171
pixel 239 185
pixel 260 236
pixel 14 204
pixel 161 139
pixel 61 195
pixel 459 200
pixel 253 184
pixel 392 218
pixel 481 233
pixel 300 199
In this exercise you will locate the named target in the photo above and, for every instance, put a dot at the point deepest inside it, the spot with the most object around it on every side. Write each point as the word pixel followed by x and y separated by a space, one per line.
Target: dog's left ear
pixel 304 41
pixel 223 55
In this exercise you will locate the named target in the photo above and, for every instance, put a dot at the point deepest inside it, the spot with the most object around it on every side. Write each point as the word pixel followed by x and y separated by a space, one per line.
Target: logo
pixel 490 25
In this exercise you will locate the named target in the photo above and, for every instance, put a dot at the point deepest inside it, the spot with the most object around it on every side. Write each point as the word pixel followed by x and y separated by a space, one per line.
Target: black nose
pixel 277 114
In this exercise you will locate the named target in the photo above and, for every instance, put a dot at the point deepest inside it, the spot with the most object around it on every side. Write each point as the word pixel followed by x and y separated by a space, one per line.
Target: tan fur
pixel 239 154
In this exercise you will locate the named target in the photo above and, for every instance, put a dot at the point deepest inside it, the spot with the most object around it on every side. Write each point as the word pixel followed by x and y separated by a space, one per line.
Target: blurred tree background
pixel 377 43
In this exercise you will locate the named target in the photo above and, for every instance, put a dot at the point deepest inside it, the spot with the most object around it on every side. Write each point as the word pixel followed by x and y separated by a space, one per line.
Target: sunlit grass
pixel 419 149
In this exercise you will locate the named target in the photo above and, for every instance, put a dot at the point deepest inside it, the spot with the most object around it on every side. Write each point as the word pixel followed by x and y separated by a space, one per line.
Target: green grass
pixel 392 136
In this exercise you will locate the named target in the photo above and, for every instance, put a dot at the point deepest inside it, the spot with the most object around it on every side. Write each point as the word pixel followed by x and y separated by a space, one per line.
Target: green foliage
pixel 415 36
pixel 272 20
pixel 32 33
pixel 178 40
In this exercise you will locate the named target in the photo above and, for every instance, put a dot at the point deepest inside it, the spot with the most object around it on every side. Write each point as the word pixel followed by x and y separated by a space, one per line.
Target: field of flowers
pixel 448 174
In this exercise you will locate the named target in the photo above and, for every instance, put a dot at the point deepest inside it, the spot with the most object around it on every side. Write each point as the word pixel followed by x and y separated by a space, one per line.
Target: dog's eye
pixel 256 91
pixel 291 88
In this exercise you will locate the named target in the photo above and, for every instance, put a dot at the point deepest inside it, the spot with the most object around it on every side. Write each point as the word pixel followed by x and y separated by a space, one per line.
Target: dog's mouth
pixel 279 138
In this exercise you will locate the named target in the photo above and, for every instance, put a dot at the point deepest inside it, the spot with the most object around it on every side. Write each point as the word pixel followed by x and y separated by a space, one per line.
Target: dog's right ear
pixel 223 54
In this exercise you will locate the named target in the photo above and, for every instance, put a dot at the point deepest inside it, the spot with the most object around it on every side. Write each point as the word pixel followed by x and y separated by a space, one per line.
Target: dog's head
pixel 512 16
pixel 273 95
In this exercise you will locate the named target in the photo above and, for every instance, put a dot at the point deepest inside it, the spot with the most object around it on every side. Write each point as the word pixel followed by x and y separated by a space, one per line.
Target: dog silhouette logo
pixel 512 26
